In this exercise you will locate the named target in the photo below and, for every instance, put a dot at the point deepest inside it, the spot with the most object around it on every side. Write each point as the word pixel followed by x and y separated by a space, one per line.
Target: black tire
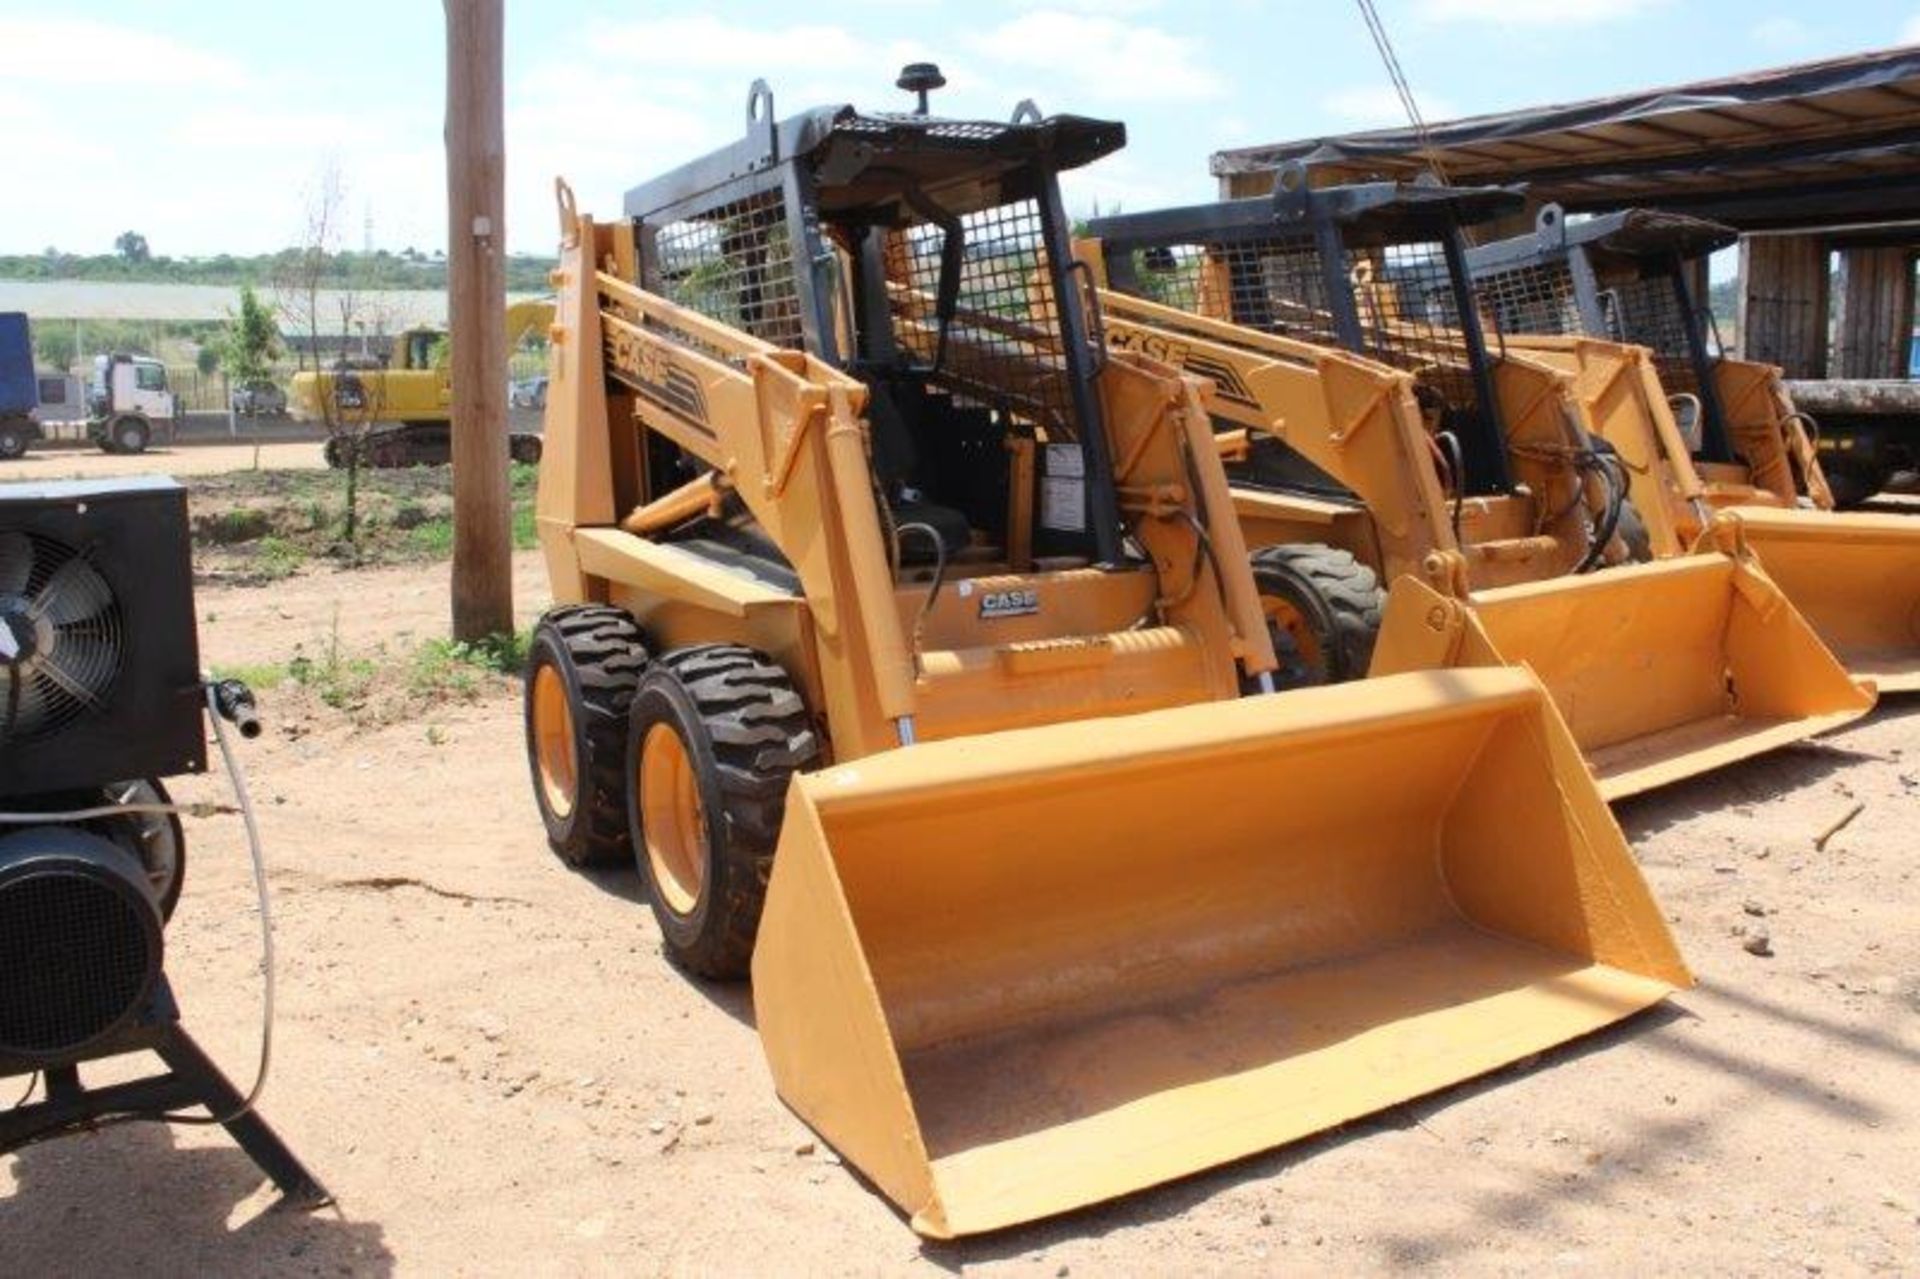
pixel 598 654
pixel 129 434
pixel 1852 483
pixel 746 733
pixel 1632 530
pixel 14 441
pixel 525 449
pixel 1339 601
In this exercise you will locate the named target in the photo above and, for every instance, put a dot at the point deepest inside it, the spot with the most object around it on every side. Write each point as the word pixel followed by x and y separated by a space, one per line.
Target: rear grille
pixel 1647 312
pixel 78 957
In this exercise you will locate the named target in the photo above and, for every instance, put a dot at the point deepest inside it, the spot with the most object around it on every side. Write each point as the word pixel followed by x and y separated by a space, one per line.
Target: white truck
pixel 128 402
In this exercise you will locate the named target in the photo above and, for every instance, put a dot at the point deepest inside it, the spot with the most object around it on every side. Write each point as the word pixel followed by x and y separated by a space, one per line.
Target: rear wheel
pixel 14 440
pixel 1323 612
pixel 716 733
pixel 582 668
pixel 1851 482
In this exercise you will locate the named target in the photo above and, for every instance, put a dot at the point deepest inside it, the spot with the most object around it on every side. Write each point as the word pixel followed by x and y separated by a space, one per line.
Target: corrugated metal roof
pixel 1828 142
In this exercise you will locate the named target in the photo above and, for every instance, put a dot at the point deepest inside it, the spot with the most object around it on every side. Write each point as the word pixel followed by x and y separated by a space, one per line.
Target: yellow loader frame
pixel 1663 670
pixel 1056 909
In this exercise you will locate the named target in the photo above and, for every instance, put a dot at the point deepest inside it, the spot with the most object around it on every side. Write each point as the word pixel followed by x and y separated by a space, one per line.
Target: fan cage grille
pixel 74 672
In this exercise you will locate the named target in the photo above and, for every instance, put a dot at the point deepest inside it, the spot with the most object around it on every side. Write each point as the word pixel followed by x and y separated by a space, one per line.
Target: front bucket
pixel 1012 975
pixel 1663 671
pixel 1856 579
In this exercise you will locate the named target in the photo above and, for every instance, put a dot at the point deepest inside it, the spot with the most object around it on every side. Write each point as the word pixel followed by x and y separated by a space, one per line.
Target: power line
pixel 1378 30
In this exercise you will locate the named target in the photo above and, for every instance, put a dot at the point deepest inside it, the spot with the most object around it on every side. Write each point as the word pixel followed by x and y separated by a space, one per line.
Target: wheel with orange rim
pixel 582 667
pixel 1323 611
pixel 715 733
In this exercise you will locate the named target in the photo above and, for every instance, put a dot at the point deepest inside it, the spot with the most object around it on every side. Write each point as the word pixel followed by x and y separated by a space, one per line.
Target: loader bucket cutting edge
pixel 1015 975
pixel 1856 579
pixel 1662 671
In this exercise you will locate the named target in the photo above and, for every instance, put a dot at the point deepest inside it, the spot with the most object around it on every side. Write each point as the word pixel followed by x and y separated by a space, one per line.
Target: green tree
pixel 54 344
pixel 251 341
pixel 132 246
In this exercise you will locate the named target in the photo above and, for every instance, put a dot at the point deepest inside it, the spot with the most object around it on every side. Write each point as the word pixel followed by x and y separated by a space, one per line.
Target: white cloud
pixel 80 51
pixel 1910 34
pixel 703 42
pixel 1103 56
pixel 1378 106
pixel 1535 13
pixel 1782 32
pixel 1108 7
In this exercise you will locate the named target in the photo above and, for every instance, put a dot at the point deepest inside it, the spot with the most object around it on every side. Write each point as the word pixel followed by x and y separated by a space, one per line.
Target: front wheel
pixel 1323 611
pixel 129 434
pixel 717 732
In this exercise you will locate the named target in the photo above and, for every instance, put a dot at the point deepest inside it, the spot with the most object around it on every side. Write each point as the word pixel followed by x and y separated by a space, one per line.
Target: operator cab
pixel 930 259
pixel 1624 277
pixel 1376 269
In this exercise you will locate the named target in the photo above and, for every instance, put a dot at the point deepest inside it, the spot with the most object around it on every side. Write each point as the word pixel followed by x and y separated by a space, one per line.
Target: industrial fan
pixel 61 640
pixel 101 696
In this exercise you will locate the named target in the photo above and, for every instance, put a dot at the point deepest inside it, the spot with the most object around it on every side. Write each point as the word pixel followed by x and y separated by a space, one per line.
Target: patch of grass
pixel 343 683
pixel 444 668
pixel 278 557
pixel 271 524
pixel 433 539
pixel 261 678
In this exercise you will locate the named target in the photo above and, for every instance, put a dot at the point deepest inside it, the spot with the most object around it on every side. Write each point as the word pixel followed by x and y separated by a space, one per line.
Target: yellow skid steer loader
pixel 1380 434
pixel 912 652
pixel 1702 433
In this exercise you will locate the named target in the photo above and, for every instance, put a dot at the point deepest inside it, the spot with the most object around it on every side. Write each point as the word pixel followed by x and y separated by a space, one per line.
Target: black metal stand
pixel 191 1080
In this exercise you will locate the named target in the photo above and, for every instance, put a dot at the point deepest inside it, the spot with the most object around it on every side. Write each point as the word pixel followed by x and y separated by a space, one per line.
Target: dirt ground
pixel 485 1057
pixel 54 463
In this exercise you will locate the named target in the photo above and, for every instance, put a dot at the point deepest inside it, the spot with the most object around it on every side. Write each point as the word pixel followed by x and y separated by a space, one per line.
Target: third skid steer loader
pixel 1701 432
pixel 1390 440
pixel 902 641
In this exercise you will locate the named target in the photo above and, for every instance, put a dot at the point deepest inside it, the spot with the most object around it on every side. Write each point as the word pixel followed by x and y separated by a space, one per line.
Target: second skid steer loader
pixel 1392 439
pixel 1702 433
pixel 903 639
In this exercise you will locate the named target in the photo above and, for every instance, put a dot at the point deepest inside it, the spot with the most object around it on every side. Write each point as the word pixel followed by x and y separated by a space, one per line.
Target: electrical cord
pixel 237 777
pixel 1613 475
pixel 1456 462
pixel 939 569
pixel 218 701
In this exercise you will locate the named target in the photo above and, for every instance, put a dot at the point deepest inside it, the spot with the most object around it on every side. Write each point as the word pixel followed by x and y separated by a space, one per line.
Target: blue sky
pixel 204 124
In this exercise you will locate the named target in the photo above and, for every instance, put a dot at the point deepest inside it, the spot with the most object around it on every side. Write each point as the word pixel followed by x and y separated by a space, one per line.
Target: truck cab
pixel 127 398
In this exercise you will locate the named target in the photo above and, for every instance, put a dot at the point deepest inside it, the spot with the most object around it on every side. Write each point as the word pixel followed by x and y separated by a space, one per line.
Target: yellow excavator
pixel 400 413
pixel 907 644
pixel 1700 432
pixel 1420 495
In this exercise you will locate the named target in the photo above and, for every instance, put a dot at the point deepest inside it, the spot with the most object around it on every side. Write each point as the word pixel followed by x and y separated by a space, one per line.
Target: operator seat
pixel 896 460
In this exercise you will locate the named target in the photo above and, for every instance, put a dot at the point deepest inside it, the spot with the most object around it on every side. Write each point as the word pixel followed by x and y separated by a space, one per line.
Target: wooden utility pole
pixel 477 300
